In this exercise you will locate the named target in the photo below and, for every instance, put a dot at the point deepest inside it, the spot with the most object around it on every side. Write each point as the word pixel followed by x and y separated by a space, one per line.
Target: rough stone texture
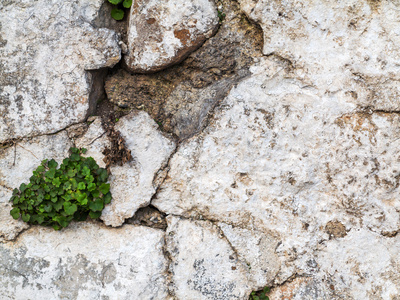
pixel 286 158
pixel 132 184
pixel 257 250
pixel 45 49
pixel 84 261
pixel 164 33
pixel 95 140
pixel 354 44
pixel 203 265
pixel 182 97
pixel 16 166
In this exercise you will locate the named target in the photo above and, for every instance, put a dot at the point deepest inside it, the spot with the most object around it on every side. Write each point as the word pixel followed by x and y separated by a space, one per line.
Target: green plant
pixel 221 16
pixel 260 295
pixel 54 197
pixel 118 11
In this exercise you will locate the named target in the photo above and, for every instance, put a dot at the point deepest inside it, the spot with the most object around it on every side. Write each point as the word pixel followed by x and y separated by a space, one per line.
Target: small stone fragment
pixel 132 183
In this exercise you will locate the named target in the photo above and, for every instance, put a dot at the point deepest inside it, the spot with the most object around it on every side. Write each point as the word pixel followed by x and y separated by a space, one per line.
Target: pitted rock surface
pixel 164 33
pixel 46 48
pixel 204 266
pixel 84 261
pixel 132 184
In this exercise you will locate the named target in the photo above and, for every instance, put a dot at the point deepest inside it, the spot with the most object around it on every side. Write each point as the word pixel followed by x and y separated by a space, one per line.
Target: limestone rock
pixel 354 44
pixel 204 266
pixel 95 140
pixel 132 184
pixel 84 261
pixel 164 33
pixel 16 166
pixel 288 159
pixel 257 250
pixel 46 48
pixel 361 265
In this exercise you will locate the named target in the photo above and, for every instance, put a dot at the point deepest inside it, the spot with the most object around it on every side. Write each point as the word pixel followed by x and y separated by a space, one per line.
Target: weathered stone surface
pixel 164 33
pixel 204 266
pixel 286 158
pixel 16 166
pixel 95 140
pixel 132 184
pixel 84 261
pixel 182 97
pixel 257 250
pixel 354 44
pixel 45 49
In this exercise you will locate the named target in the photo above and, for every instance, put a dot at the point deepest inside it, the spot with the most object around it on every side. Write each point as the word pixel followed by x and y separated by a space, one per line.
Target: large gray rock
pixel 46 48
pixel 162 33
pixel 16 166
pixel 132 184
pixel 85 261
pixel 288 159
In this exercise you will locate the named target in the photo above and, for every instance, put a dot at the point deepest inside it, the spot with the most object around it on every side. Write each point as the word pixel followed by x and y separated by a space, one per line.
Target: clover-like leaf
pixel 70 208
pixel 117 14
pixel 91 187
pixel 81 186
pixel 56 182
pixel 115 2
pixel 104 188
pixel 15 213
pixel 95 214
pixel 26 217
pixel 107 198
pixel 127 3
pixel 52 164
pixel 96 205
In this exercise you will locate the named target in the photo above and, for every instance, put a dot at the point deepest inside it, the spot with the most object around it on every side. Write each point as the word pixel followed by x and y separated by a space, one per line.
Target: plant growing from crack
pixel 118 11
pixel 54 197
pixel 260 295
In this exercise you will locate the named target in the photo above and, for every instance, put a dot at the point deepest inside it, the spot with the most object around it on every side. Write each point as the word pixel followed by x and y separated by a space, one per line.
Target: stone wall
pixel 272 160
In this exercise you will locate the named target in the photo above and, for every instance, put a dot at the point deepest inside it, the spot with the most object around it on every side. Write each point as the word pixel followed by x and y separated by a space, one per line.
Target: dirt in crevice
pixel 149 216
pixel 182 97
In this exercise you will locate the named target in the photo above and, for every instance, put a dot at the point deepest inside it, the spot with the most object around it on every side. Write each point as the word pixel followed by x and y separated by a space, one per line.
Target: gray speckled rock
pixel 16 166
pixel 204 266
pixel 84 261
pixel 288 159
pixel 45 49
pixel 132 184
pixel 163 33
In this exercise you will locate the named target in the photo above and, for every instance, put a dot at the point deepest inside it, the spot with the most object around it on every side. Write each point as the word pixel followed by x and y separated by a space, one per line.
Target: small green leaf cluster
pixel 118 11
pixel 260 295
pixel 54 197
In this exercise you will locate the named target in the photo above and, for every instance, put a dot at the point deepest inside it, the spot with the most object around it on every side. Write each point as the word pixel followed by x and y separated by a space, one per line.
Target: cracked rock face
pixel 84 261
pixel 16 166
pixel 287 158
pixel 164 33
pixel 204 266
pixel 46 48
pixel 132 184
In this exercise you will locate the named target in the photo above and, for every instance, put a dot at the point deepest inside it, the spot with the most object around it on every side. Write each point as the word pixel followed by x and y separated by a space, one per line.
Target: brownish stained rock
pixel 161 34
